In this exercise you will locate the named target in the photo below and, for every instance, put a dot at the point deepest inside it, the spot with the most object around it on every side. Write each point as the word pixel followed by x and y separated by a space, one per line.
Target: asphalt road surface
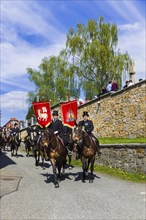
pixel 28 192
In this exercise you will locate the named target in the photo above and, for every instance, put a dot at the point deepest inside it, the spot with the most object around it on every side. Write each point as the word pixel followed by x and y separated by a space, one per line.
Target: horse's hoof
pixel 83 181
pixel 90 181
pixel 56 185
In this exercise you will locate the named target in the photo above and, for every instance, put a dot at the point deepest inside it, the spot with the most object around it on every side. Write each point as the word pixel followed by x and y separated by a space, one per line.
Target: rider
pixel 87 127
pixel 37 130
pixel 29 129
pixel 56 125
pixel 86 123
pixel 15 129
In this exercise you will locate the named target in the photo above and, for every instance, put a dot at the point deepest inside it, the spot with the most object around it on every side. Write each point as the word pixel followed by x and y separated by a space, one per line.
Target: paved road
pixel 28 193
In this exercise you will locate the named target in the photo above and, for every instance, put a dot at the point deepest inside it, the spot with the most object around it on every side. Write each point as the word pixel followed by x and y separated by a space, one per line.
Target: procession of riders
pixel 7 136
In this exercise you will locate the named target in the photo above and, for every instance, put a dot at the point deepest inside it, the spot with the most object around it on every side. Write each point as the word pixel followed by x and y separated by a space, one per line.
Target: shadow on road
pixel 76 175
pixel 5 160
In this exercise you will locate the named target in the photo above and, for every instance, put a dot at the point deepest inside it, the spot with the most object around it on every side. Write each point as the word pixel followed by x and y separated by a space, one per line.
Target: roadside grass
pixel 114 140
pixel 118 173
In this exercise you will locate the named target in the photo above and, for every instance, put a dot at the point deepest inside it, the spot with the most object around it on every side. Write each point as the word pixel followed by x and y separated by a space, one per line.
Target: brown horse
pixel 51 147
pixel 88 145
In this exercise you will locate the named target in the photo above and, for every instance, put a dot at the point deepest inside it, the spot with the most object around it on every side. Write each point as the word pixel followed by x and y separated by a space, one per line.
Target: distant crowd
pixel 113 87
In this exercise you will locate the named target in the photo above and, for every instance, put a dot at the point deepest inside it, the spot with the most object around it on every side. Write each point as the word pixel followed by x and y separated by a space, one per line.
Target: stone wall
pixel 121 114
pixel 130 158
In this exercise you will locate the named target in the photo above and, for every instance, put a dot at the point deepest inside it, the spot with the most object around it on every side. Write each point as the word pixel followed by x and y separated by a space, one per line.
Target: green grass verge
pixel 118 173
pixel 114 140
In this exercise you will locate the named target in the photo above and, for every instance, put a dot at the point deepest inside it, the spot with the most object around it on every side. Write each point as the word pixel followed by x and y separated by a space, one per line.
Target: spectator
pixel 126 84
pixel 103 91
pixel 114 86
pixel 130 83
pixel 109 86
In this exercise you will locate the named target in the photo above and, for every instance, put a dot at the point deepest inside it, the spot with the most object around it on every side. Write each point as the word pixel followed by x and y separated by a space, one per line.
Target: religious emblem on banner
pixel 42 112
pixel 70 116
pixel 69 112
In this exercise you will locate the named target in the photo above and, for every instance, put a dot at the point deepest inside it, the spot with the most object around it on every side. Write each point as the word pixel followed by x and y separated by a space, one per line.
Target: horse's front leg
pixel 12 151
pixel 84 169
pixel 16 148
pixel 43 158
pixel 91 170
pixel 37 157
pixel 53 163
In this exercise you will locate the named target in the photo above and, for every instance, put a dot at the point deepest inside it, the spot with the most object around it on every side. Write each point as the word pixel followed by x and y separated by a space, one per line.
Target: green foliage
pixel 118 173
pixel 88 62
pixel 94 50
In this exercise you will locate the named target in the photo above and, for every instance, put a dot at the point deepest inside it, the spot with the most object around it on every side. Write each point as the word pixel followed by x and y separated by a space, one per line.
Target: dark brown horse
pixel 51 147
pixel 15 141
pixel 88 145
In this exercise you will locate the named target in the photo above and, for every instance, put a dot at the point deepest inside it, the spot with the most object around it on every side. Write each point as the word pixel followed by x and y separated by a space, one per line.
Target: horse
pixel 88 147
pixel 15 141
pixel 51 147
pixel 29 144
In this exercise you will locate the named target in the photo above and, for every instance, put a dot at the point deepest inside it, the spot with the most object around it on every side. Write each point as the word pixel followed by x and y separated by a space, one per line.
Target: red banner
pixel 42 112
pixel 69 112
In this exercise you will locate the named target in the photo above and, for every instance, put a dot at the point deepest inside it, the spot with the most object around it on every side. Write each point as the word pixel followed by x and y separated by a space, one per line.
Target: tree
pixel 97 61
pixel 54 80
pixel 89 61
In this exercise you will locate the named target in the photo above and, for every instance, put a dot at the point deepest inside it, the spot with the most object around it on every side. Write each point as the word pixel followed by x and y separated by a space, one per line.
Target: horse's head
pixel 45 138
pixel 77 133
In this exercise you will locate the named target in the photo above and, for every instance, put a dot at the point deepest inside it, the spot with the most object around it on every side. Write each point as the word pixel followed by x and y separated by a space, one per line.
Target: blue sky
pixel 32 30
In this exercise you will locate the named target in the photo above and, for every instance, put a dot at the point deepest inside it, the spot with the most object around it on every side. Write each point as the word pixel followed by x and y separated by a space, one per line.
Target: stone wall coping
pixel 106 95
pixel 132 145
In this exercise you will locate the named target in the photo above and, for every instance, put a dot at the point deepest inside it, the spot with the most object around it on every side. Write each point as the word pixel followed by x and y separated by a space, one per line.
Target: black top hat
pixel 15 124
pixel 55 112
pixel 85 113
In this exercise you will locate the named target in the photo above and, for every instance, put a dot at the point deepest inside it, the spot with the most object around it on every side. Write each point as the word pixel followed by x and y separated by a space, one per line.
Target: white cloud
pixel 126 9
pixel 132 40
pixel 15 59
pixel 14 101
pixel 21 21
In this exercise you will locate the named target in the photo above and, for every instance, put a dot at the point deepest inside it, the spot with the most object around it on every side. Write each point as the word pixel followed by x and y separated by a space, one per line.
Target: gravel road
pixel 28 192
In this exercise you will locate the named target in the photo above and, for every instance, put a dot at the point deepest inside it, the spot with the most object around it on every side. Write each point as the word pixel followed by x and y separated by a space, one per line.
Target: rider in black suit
pixel 88 127
pixel 14 130
pixel 56 125
pixel 86 123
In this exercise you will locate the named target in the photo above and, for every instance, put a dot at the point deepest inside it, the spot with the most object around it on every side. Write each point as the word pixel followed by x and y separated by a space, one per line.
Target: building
pixel 11 122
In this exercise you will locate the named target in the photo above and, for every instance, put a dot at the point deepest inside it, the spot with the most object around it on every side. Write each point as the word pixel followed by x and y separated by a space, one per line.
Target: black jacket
pixel 14 130
pixel 29 130
pixel 88 125
pixel 56 125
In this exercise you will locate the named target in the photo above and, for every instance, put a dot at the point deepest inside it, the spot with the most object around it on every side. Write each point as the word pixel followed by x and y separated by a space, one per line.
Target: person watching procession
pixel 114 86
pixel 109 86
